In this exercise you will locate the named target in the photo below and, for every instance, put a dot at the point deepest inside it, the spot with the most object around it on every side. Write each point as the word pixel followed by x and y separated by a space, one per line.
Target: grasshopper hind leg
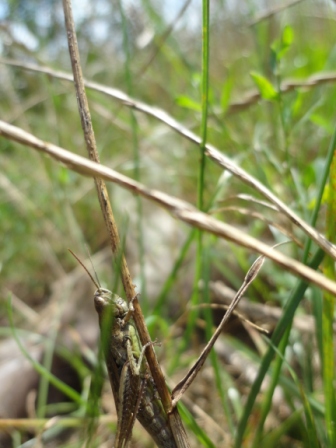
pixel 130 394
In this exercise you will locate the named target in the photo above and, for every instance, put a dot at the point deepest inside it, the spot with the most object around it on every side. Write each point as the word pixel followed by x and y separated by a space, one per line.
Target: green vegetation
pixel 261 89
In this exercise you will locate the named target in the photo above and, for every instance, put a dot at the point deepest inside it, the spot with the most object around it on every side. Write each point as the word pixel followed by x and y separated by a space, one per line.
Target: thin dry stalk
pixel 185 383
pixel 213 153
pixel 44 423
pixel 272 11
pixel 254 96
pixel 179 209
pixel 112 227
pixel 219 306
pixel 249 99
pixel 161 40
pixel 262 313
pixel 260 217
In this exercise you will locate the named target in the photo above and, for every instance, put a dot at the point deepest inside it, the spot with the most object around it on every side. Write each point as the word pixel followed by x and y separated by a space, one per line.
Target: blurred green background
pixel 152 51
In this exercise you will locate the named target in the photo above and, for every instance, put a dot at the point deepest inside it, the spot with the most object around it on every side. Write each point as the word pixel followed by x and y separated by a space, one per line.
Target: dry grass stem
pixel 185 383
pixel 111 226
pixel 219 306
pixel 41 423
pixel 260 217
pixel 249 99
pixel 272 11
pixel 213 153
pixel 180 209
pixel 262 313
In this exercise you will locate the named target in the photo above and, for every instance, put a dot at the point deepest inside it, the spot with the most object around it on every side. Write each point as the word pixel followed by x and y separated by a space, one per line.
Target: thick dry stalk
pixel 179 209
pixel 108 215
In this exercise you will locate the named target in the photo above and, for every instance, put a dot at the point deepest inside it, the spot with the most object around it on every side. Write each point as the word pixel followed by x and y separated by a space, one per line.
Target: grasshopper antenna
pixel 93 268
pixel 87 271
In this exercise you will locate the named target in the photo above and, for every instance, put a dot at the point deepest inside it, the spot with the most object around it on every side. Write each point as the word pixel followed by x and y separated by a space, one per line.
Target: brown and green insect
pixel 130 377
pixel 133 387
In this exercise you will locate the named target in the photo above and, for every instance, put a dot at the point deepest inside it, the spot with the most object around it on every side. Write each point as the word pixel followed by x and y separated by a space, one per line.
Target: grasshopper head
pixel 106 300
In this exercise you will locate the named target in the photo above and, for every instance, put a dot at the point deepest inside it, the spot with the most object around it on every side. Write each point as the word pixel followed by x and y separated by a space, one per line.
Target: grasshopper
pixel 132 384
pixel 133 387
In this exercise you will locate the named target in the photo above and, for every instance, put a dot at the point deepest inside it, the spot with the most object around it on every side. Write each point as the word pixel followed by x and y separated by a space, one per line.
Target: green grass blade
pixel 310 426
pixel 64 388
pixel 320 191
pixel 267 402
pixel 280 329
pixel 136 160
pixel 293 299
pixel 192 424
pixel 205 101
pixel 328 317
pixel 173 274
pixel 195 298
pixel 208 331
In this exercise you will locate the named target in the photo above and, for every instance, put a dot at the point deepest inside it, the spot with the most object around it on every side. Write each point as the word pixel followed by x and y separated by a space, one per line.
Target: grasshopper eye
pixel 102 298
pixel 104 292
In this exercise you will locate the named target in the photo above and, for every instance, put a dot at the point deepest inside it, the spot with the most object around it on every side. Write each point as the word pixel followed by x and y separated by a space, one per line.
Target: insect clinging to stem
pixel 133 387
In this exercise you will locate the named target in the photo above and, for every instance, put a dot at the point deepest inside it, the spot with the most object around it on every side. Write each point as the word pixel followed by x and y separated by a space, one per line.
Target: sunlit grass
pixel 286 140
